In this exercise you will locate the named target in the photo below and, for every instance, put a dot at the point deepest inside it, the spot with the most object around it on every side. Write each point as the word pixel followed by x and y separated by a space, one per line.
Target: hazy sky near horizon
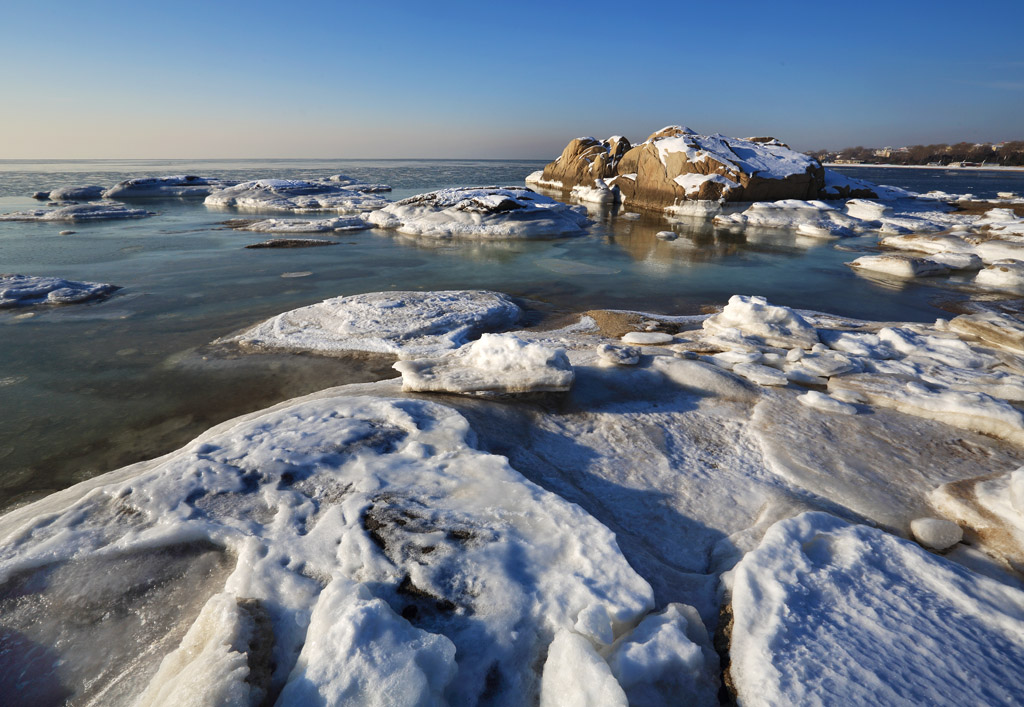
pixel 225 78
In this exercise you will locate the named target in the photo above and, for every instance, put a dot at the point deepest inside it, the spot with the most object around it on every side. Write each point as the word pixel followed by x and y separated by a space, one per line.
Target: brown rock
pixel 585 159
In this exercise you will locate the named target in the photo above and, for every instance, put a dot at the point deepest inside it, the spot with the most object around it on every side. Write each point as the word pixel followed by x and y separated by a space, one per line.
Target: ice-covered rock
pixel 1002 275
pixel 582 162
pixel 18 290
pixel 597 193
pixel 293 195
pixel 89 193
pixel 91 211
pixel 753 318
pixel 179 185
pixel 339 224
pixel 936 533
pixel 494 363
pixel 482 212
pixel 840 186
pixel 826 612
pixel 407 323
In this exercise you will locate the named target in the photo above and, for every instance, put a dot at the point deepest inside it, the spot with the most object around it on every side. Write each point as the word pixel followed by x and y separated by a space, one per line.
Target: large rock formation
pixel 676 165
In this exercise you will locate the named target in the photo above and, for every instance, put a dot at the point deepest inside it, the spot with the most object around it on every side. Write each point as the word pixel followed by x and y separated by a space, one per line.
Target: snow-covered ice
pixel 406 323
pixel 295 196
pixel 179 185
pixel 936 533
pixel 71 193
pixel 482 212
pixel 1002 275
pixel 339 224
pixel 18 290
pixel 91 211
pixel 754 318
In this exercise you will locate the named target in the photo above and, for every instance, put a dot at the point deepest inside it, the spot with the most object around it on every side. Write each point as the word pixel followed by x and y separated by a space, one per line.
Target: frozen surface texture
pixel 295 196
pixel 482 212
pixel 406 323
pixel 154 187
pixel 19 290
pixel 91 211
pixel 339 224
pixel 826 612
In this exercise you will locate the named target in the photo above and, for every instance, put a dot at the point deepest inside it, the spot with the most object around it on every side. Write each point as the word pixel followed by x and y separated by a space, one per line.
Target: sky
pixel 259 79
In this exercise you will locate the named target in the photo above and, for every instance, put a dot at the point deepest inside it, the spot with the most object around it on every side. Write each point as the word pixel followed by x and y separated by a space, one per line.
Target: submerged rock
pixel 18 290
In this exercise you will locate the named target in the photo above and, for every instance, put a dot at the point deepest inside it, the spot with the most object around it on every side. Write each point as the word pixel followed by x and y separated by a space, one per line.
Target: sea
pixel 89 388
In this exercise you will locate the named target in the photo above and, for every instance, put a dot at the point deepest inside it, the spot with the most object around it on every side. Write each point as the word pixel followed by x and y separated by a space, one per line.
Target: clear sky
pixel 223 78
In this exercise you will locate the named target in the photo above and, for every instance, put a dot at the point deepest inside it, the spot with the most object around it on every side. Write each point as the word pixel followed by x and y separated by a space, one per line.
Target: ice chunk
pixel 1002 275
pixel 994 328
pixel 495 363
pixel 293 195
pixel 756 319
pixel 826 403
pixel 88 193
pixel 815 601
pixel 857 343
pixel 998 251
pixel 928 243
pixel 576 676
pixel 91 211
pixel 354 184
pixel 704 378
pixel 947 350
pixel 482 212
pixel 760 374
pixel 957 261
pixel 318 225
pixel 866 210
pixel 599 193
pixel 647 338
pixel 667 659
pixel 411 323
pixel 812 218
pixel 899 265
pixel 619 355
pixel 172 186
pixel 16 290
pixel 936 533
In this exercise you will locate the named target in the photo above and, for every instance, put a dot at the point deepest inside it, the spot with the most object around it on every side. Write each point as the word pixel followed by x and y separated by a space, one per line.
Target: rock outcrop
pixel 677 165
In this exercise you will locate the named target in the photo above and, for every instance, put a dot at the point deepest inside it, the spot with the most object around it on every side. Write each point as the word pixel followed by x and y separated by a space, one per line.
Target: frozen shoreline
pixel 994 168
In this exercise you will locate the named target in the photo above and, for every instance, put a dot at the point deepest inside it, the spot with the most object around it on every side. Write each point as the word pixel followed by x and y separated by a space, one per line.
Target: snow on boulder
pixel 381 547
pixel 495 363
pixel 293 195
pixel 840 186
pixel 754 319
pixel 582 162
pixel 91 211
pixel 153 187
pixel 88 193
pixel 407 323
pixel 17 290
pixel 482 212
pixel 825 612
pixel 339 224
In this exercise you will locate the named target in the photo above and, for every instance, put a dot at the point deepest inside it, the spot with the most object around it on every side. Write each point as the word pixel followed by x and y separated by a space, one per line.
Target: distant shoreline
pixel 998 168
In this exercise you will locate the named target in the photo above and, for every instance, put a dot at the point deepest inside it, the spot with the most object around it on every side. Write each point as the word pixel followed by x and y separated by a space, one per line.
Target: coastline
pixel 923 166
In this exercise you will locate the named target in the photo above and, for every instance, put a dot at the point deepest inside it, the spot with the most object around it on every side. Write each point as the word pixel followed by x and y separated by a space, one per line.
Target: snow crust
pixel 752 317
pixel 404 323
pixel 815 603
pixel 482 212
pixel 20 290
pixel 91 211
pixel 295 196
pixel 768 160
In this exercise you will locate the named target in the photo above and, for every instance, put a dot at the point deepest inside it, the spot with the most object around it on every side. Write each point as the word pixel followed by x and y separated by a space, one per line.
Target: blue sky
pixel 460 79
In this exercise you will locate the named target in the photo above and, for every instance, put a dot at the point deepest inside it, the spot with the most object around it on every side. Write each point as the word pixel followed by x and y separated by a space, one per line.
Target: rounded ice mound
pixel 294 195
pixel 151 187
pixel 377 544
pixel 753 318
pixel 815 602
pixel 936 533
pixel 16 290
pixel 88 193
pixel 405 323
pixel 482 212
pixel 338 224
pixel 92 211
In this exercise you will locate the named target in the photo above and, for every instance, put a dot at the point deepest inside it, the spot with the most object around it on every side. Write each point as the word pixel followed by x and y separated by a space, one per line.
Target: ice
pixel 826 403
pixel 866 210
pixel 18 290
pixel 994 328
pixel 755 319
pixel 89 193
pixel 769 160
pixel 692 183
pixel 899 265
pixel 647 338
pixel 936 533
pixel 294 196
pixel 576 676
pixel 667 660
pixel 91 211
pixel 812 218
pixel 928 243
pixel 991 507
pixel 1002 275
pixel 482 212
pixel 995 251
pixel 320 225
pixel 760 374
pixel 494 363
pixel 407 323
pixel 837 185
pixel 172 186
pixel 354 184
pixel 947 350
pixel 599 193
pixel 816 602
pixel 618 355
pixel 537 178
pixel 958 261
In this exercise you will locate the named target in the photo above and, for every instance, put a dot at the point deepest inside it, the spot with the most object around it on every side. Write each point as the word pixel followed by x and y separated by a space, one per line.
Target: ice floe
pixel 70 193
pixel 91 211
pixel 482 212
pixel 755 319
pixel 405 323
pixel 294 195
pixel 347 182
pixel 179 185
pixel 19 290
pixel 494 363
pixel 340 224
pixel 827 612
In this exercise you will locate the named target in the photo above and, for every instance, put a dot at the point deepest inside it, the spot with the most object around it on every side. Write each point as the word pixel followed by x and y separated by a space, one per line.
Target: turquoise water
pixel 88 388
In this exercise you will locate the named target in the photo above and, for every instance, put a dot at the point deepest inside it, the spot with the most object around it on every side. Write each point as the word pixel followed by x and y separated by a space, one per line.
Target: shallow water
pixel 88 388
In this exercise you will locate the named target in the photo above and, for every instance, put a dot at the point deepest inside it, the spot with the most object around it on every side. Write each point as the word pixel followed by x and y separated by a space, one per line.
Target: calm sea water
pixel 89 388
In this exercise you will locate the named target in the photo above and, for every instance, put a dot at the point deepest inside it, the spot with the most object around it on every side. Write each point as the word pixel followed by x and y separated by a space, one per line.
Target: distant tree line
pixel 1007 154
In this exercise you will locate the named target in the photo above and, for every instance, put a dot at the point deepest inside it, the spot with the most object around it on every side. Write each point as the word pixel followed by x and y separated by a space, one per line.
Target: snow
pixel 172 186
pixel 354 184
pixel 599 193
pixel 320 225
pixel 815 604
pixel 826 403
pixel 576 676
pixel 767 160
pixel 753 318
pixel 812 218
pixel 835 182
pixel 537 179
pixel 19 290
pixel 69 193
pixel 618 355
pixel 899 265
pixel 406 323
pixel 647 338
pixel 482 212
pixel 936 533
pixel 691 183
pixel 91 211
pixel 494 363
pixel 1002 275
pixel 293 195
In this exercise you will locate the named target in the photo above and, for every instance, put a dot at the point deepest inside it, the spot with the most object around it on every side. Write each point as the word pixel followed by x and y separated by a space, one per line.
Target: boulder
pixel 585 159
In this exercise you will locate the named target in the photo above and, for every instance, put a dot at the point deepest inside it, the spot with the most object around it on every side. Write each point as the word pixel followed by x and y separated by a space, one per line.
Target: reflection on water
pixel 88 388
